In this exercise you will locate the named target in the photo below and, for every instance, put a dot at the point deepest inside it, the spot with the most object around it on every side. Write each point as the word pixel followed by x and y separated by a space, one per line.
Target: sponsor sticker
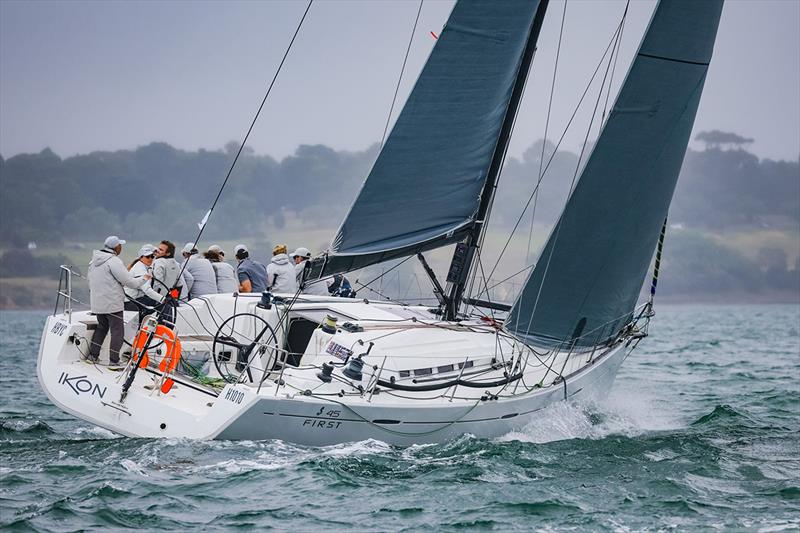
pixel 338 351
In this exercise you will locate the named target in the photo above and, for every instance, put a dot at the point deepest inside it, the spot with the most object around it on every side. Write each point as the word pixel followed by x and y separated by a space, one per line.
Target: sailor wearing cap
pixel 107 278
pixel 316 287
pixel 252 275
pixel 138 300
pixel 217 248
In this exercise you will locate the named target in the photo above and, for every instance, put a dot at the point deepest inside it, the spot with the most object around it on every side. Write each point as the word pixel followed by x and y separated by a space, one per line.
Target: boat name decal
pixel 59 328
pixel 332 413
pixel 236 396
pixel 81 385
pixel 321 424
pixel 338 351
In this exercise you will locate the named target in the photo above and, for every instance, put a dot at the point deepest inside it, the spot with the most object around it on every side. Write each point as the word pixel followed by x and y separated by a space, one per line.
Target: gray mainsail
pixel 586 282
pixel 425 187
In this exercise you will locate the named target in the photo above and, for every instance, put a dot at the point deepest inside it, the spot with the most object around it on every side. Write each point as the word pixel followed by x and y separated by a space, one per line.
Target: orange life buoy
pixel 172 345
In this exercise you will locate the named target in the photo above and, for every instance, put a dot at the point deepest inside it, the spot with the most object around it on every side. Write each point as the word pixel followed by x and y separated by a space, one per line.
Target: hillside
pixel 734 221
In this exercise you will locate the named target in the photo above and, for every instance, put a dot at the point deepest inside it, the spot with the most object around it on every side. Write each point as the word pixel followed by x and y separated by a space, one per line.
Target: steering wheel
pixel 247 336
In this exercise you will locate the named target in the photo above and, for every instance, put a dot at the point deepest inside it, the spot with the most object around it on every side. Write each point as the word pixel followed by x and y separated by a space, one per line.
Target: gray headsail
pixel 586 282
pixel 425 187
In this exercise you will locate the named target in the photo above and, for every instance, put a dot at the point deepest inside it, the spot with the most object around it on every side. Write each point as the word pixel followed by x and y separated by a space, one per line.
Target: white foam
pixel 563 421
pixel 133 466
pixel 95 432
pixel 364 447
pixel 237 466
pixel 660 455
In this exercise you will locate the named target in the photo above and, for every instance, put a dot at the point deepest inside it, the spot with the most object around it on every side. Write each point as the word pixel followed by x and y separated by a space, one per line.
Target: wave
pixel 16 427
pixel 720 413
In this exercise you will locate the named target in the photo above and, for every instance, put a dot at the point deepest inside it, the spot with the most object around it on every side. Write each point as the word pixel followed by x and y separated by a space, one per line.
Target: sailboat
pixel 320 370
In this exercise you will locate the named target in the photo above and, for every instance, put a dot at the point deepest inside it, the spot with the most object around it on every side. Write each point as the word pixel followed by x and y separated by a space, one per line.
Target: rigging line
pixel 485 283
pixel 547 124
pixel 386 298
pixel 574 177
pixel 402 69
pixel 249 130
pixel 618 47
pixel 555 151
pixel 514 275
pixel 366 285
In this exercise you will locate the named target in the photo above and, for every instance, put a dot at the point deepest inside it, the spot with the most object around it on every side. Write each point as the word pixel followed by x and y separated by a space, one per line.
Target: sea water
pixel 701 431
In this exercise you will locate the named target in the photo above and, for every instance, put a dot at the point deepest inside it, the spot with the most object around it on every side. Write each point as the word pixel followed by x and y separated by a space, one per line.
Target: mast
pixel 463 258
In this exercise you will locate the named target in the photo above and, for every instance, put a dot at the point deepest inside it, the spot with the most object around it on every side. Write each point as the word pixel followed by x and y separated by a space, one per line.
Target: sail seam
pixel 673 59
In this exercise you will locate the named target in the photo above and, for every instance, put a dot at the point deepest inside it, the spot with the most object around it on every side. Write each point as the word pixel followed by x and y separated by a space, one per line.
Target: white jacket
pixel 316 287
pixel 226 278
pixel 166 270
pixel 138 271
pixel 205 280
pixel 107 277
pixel 281 275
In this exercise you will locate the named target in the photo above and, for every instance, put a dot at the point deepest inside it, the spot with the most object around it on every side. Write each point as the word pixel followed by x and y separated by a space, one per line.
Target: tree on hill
pixel 716 138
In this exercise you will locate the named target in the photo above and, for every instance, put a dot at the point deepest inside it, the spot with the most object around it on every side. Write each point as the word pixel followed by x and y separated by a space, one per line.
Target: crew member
pixel 107 278
pixel 166 272
pixel 138 299
pixel 281 276
pixel 252 275
pixel 226 275
pixel 316 287
pixel 205 280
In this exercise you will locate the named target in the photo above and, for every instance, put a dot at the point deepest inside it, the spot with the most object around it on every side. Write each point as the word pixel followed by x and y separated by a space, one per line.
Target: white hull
pixel 297 407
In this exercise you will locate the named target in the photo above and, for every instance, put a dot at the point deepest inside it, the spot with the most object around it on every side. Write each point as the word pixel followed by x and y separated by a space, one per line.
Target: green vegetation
pixel 735 219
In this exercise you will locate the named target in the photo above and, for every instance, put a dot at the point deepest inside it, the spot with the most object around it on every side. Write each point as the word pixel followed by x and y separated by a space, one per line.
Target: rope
pixel 657 266
pixel 547 125
pixel 614 68
pixel 399 78
pixel 247 135
pixel 203 224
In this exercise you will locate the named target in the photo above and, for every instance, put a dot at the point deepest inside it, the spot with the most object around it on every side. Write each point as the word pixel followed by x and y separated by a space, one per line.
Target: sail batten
pixel 585 286
pixel 424 189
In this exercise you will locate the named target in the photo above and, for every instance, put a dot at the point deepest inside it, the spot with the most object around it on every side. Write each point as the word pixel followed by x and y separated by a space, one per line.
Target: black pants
pixel 112 321
pixel 143 304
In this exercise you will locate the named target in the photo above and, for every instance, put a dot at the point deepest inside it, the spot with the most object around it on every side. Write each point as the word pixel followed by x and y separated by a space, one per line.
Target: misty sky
pixel 81 76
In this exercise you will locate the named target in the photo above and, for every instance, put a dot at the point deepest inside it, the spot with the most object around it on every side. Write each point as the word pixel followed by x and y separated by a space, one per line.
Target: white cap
pixel 216 248
pixel 188 247
pixel 240 247
pixel 112 242
pixel 302 252
pixel 147 249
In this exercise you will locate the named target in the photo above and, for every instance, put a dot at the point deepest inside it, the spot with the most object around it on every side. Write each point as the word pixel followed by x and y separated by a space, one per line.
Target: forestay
pixel 424 189
pixel 586 282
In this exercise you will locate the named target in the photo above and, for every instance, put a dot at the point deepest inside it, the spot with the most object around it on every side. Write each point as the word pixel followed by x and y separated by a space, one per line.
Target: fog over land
pixel 734 223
